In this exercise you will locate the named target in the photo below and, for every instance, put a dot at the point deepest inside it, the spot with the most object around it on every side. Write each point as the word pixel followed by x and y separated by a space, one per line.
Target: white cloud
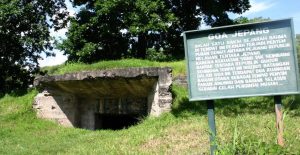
pixel 59 34
pixel 52 61
pixel 259 6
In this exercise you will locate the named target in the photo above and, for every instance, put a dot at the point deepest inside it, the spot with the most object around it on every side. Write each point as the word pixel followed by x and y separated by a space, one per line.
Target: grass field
pixel 179 67
pixel 244 126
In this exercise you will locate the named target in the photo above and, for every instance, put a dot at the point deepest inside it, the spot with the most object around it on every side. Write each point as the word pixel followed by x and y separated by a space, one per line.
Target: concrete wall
pixel 57 106
pixel 58 100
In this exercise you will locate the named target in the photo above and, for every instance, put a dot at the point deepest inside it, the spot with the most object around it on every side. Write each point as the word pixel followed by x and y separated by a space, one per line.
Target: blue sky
pixel 273 9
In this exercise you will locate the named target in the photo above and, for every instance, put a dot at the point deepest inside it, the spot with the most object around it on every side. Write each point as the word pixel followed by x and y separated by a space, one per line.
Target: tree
pixel 24 35
pixel 244 20
pixel 298 45
pixel 113 29
pixel 96 32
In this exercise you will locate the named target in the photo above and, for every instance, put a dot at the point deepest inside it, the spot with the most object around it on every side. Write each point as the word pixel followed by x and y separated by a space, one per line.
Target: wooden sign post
pixel 279 120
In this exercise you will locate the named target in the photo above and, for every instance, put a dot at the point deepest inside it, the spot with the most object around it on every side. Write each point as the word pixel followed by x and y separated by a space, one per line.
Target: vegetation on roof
pixel 179 67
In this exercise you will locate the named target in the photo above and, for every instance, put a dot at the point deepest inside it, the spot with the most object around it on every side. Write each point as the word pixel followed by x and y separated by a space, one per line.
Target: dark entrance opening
pixel 115 121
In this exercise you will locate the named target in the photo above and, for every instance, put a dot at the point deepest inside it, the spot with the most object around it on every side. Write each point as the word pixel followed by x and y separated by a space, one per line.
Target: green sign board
pixel 257 59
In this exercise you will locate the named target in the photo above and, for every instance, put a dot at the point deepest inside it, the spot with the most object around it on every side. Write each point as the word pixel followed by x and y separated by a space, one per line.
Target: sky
pixel 273 9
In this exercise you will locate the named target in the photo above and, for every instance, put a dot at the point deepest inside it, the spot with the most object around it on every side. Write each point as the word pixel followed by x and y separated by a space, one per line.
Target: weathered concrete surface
pixel 74 99
pixel 58 106
pixel 181 81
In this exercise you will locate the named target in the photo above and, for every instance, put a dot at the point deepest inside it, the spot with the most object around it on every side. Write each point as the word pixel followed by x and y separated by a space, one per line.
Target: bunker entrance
pixel 115 121
pixel 119 113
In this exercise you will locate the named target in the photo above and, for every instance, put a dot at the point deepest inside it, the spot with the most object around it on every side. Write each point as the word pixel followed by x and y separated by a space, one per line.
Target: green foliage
pixel 298 45
pixel 243 144
pixel 24 35
pixel 298 39
pixel 156 55
pixel 115 29
pixel 244 20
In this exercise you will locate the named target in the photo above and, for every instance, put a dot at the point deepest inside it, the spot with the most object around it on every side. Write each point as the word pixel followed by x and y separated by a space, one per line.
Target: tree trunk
pixel 141 46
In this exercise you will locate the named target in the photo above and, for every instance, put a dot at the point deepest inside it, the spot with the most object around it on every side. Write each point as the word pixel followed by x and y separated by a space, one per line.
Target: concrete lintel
pixel 110 73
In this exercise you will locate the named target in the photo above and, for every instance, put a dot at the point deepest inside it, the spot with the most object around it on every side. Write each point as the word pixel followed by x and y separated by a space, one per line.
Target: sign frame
pixel 224 28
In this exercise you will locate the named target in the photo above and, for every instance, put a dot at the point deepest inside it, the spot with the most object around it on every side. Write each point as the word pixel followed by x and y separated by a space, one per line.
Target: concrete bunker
pixel 104 99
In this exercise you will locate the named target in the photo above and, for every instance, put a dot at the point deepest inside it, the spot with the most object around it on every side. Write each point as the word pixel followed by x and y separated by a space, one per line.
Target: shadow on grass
pixel 16 93
pixel 240 106
pixel 184 108
pixel 231 107
pixel 292 105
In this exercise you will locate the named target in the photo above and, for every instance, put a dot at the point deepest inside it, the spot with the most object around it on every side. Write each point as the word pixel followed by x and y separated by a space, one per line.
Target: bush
pixel 153 54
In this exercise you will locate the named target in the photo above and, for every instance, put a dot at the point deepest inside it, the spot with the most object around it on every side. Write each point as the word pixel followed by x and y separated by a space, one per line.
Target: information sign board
pixel 257 59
